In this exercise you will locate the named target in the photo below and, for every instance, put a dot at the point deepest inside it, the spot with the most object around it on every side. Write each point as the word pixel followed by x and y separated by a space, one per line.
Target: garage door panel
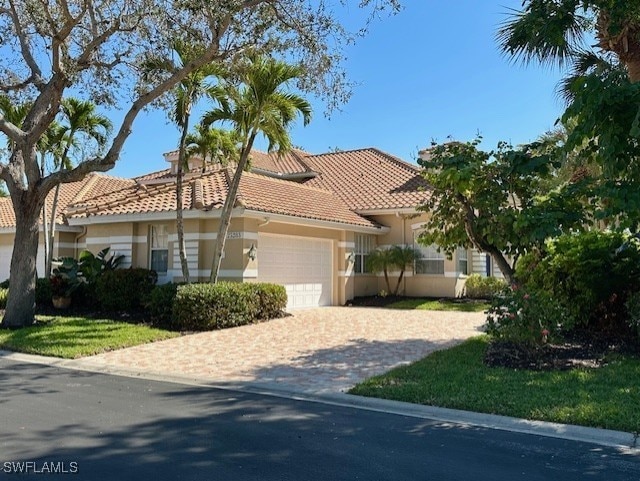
pixel 302 265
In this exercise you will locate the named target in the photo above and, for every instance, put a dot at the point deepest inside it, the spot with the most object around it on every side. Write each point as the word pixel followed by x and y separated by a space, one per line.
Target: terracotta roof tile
pixel 369 179
pixel 94 184
pixel 290 163
pixel 257 192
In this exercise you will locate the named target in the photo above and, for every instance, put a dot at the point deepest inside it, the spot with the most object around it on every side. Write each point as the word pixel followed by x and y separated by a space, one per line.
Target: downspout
pixel 80 235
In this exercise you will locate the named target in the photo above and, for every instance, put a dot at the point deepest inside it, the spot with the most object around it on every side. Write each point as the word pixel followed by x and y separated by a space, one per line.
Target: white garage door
pixel 301 264
pixel 5 261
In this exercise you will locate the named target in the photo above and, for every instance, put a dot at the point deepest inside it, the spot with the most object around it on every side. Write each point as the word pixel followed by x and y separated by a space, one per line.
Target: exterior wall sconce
pixel 253 252
pixel 351 258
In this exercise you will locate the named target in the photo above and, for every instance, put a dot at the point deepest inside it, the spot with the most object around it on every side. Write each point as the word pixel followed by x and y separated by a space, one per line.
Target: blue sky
pixel 432 71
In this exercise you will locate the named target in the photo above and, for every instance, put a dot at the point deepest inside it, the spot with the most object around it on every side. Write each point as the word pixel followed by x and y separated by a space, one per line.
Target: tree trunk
pixel 386 280
pixel 52 231
pixel 179 218
pixel 227 208
pixel 395 293
pixel 21 303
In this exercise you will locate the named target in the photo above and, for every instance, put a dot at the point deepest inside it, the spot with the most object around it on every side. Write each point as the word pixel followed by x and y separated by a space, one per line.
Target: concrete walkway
pixel 323 350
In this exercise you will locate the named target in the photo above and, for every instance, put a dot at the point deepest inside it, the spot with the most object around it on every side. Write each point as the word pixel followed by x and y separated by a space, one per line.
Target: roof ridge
pixel 341 152
pixel 92 179
pixel 289 182
pixel 397 160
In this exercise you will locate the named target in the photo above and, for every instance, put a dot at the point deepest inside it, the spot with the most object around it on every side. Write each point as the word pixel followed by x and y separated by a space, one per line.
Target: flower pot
pixel 61 302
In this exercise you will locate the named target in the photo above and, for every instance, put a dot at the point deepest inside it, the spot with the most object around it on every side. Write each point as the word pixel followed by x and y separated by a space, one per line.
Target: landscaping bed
pixel 422 303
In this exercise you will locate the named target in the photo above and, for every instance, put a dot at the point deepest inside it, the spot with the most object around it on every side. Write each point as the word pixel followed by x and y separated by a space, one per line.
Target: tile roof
pixel 208 191
pixel 292 162
pixel 368 179
pixel 93 185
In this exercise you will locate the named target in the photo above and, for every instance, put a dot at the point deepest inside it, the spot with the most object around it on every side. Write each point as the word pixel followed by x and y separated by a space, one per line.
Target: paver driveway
pixel 321 350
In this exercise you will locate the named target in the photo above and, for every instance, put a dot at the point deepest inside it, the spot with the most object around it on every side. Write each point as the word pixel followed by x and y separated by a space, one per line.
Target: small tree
pixel 395 257
pixel 493 201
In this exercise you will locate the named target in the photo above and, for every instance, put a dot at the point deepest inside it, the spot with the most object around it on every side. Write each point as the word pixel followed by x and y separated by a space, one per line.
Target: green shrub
pixel 272 299
pixel 526 318
pixel 3 298
pixel 480 287
pixel 590 275
pixel 225 304
pixel 43 291
pixel 124 289
pixel 160 302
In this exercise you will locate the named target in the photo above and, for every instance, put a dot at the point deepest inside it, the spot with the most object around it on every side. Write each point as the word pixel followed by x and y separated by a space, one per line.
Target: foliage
pixel 527 318
pixel 457 378
pixel 493 200
pixel 43 291
pixel 259 106
pixel 394 257
pixel 573 269
pixel 160 303
pixel 99 49
pixel 124 289
pixel 66 277
pixel 92 266
pixel 632 306
pixel 73 337
pixel 481 287
pixel 3 298
pixel 272 299
pixel 225 304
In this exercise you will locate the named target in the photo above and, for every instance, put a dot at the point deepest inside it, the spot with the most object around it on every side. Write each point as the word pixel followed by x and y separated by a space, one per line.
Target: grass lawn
pixel 605 397
pixel 72 337
pixel 440 305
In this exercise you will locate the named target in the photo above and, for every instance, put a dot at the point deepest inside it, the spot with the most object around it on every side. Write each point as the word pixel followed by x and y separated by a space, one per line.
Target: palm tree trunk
pixel 45 229
pixel 179 217
pixel 227 208
pixel 52 229
pixel 395 293
pixel 386 279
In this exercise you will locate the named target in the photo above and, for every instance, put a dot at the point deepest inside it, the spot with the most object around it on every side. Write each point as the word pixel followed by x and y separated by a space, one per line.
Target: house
pixel 306 221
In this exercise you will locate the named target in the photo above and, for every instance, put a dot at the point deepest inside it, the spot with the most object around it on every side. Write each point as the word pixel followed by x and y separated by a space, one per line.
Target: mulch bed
pixel 379 301
pixel 572 353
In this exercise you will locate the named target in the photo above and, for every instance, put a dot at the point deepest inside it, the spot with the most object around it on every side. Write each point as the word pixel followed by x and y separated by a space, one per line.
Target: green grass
pixel 440 305
pixel 72 337
pixel 605 397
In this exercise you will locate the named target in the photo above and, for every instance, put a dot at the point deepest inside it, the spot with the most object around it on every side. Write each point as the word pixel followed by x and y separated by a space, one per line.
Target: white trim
pixel 346 245
pixel 418 226
pixel 404 210
pixel 452 274
pixel 64 245
pixel 234 273
pixel 169 215
pixel 289 219
pixel 139 239
pixel 198 236
pixel 123 239
pixel 407 273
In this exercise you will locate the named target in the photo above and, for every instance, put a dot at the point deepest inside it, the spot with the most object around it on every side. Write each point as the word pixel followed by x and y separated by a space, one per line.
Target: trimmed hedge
pixel 226 304
pixel 124 289
pixel 479 287
pixel 3 298
pixel 159 304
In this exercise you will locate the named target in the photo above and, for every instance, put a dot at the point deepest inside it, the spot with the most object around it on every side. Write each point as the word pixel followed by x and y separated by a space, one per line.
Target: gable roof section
pixel 94 184
pixel 208 191
pixel 369 179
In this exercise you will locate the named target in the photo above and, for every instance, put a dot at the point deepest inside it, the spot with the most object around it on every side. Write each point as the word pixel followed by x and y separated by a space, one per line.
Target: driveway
pixel 323 350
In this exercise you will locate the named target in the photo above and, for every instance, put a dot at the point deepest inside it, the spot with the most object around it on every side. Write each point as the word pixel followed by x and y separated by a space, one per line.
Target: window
pixel 364 245
pixel 159 251
pixel 430 261
pixel 463 262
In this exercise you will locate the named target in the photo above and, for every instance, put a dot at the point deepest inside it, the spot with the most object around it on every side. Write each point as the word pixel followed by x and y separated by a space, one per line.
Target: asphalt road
pixel 99 427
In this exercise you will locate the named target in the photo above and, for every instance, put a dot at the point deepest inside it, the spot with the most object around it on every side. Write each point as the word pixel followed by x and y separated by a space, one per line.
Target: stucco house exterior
pixel 306 221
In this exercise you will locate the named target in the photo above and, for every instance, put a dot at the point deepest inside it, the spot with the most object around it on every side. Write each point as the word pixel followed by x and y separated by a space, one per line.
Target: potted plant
pixel 64 281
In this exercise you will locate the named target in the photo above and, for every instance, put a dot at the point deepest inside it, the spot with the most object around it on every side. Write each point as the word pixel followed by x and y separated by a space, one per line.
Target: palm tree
pixel 550 31
pixel 186 94
pixel 81 124
pixel 258 106
pixel 398 257
pixel 212 145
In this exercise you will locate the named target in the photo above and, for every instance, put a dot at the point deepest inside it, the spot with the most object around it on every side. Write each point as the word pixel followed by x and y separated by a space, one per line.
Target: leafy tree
pixel 97 49
pixel 258 106
pixel 602 91
pixel 394 257
pixel 493 201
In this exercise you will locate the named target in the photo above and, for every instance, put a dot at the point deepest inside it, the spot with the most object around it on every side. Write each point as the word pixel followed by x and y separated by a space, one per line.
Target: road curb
pixel 604 437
